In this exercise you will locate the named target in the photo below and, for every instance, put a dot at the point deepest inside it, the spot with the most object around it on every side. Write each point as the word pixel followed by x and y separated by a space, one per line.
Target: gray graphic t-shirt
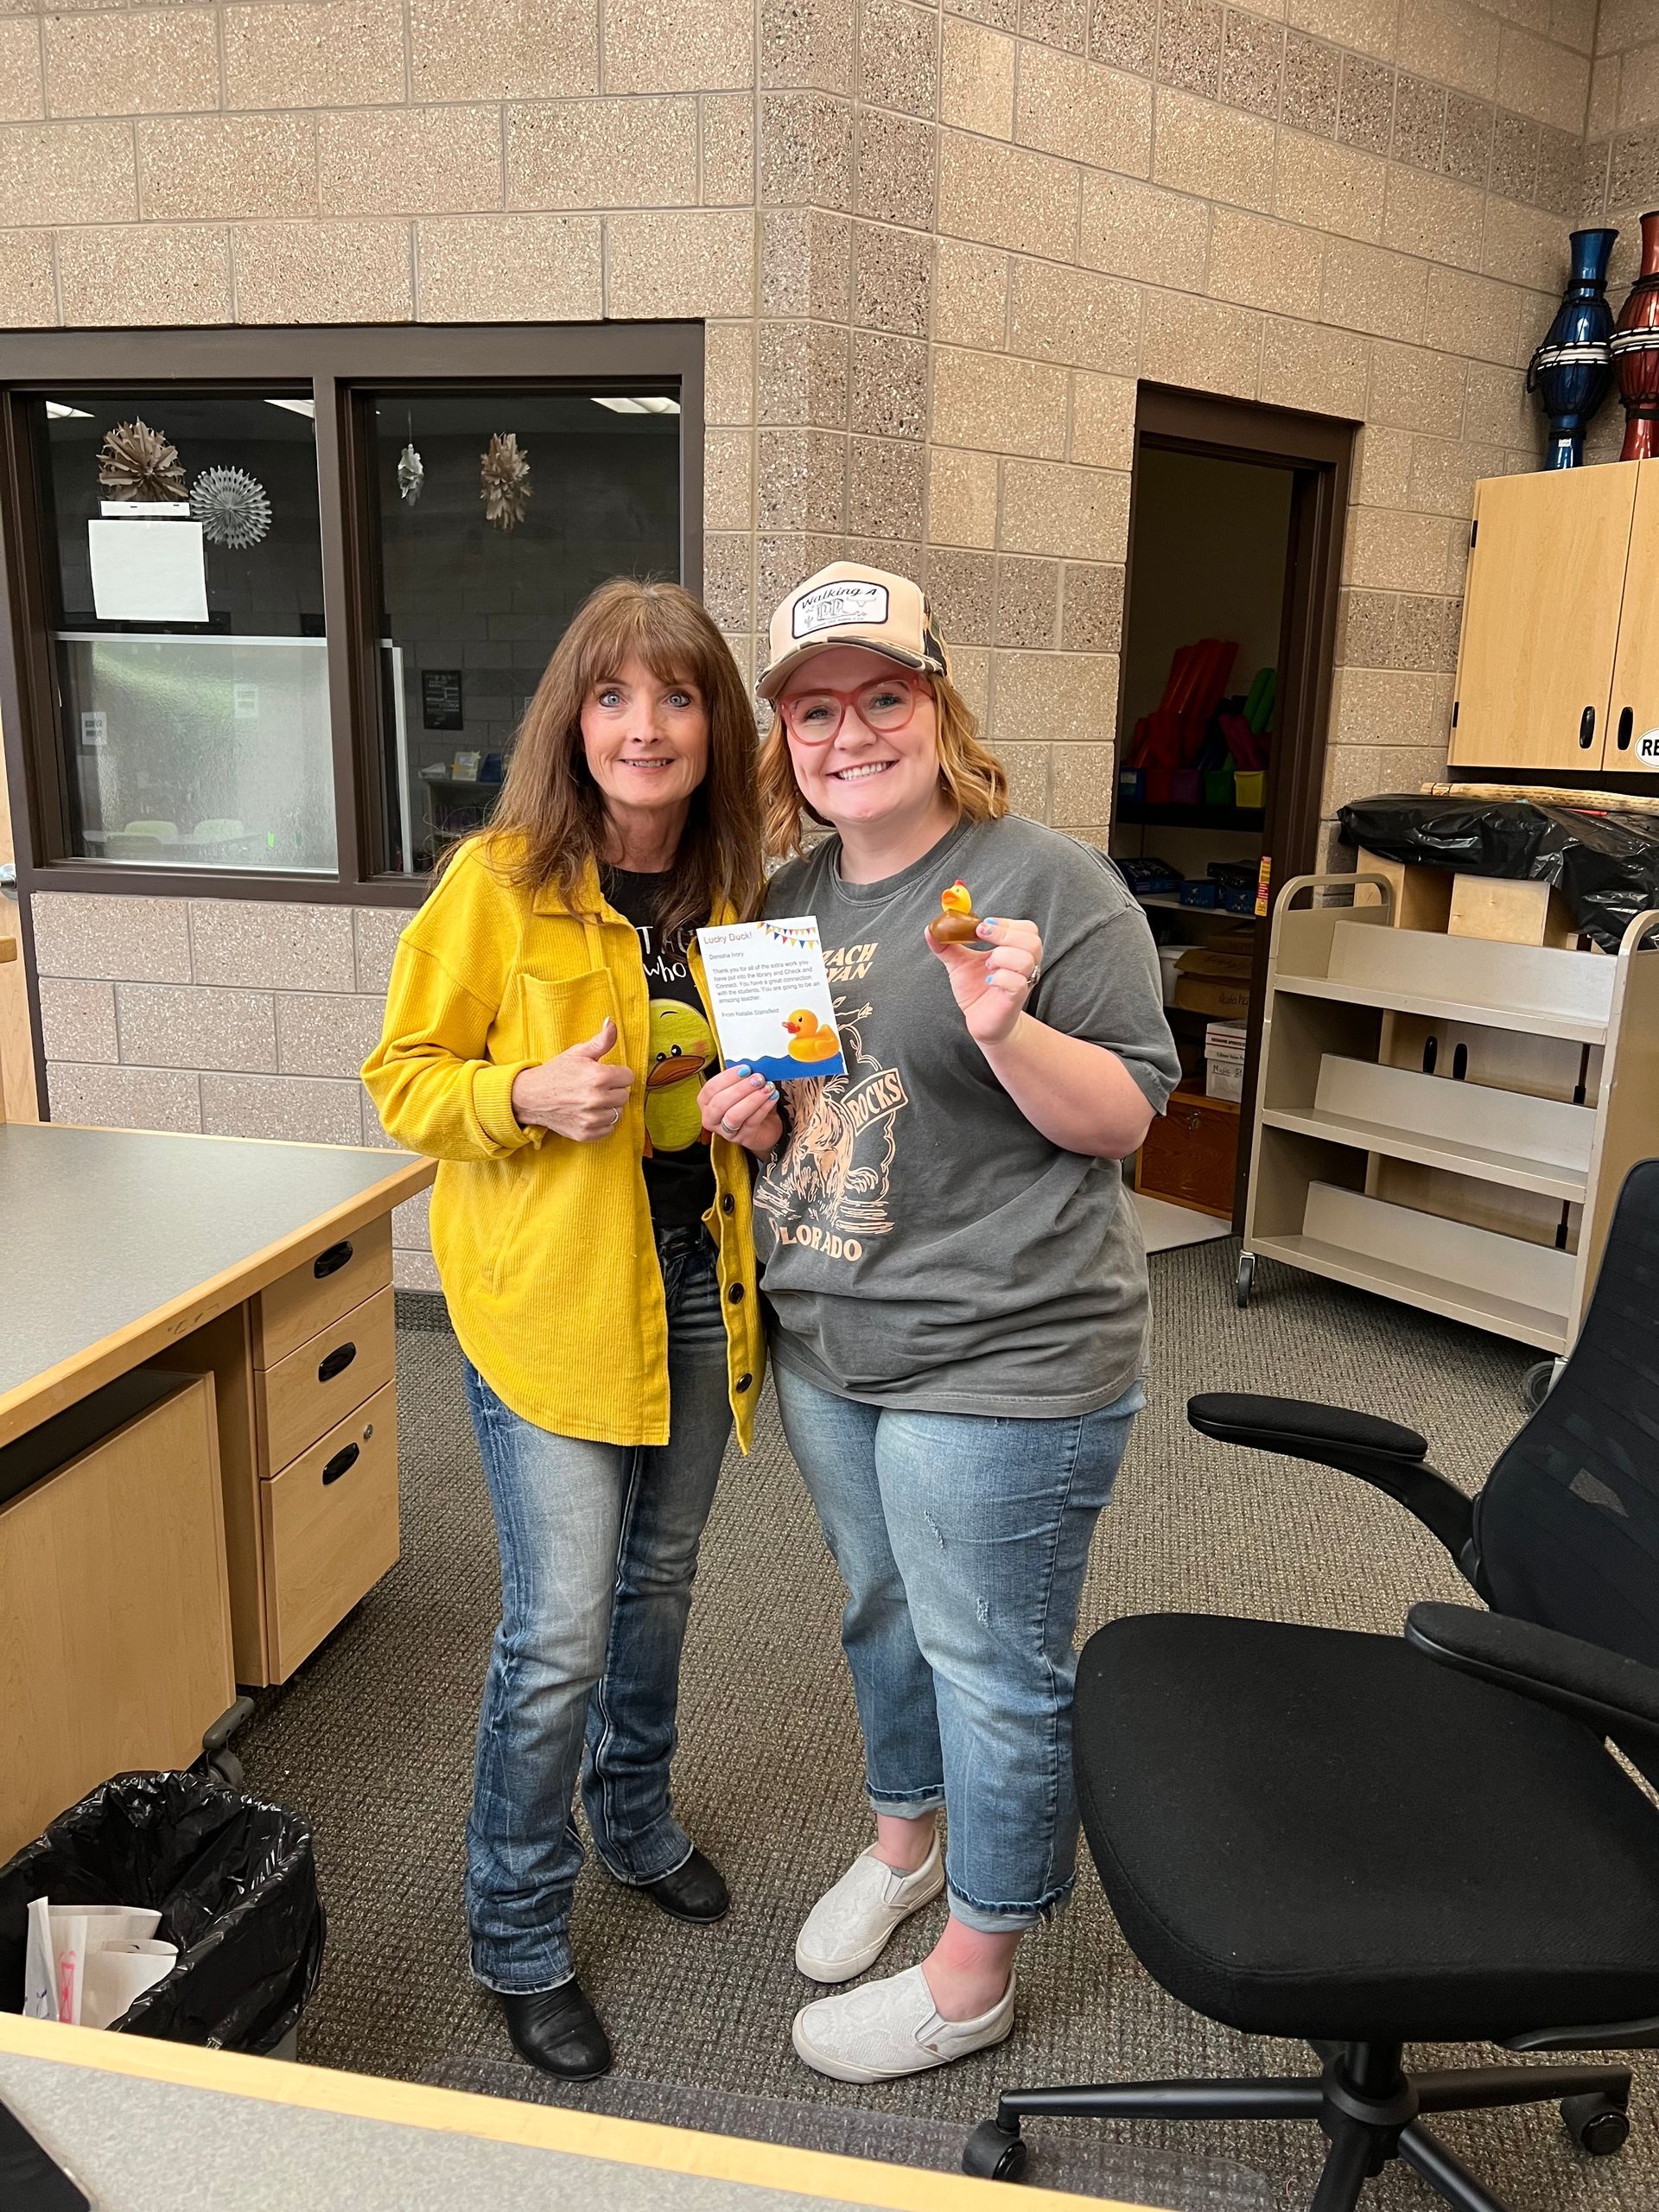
pixel 923 1244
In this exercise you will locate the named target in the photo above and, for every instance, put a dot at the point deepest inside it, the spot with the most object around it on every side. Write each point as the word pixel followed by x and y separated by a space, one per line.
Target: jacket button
pixel 728 1204
pixel 743 1381
pixel 734 1294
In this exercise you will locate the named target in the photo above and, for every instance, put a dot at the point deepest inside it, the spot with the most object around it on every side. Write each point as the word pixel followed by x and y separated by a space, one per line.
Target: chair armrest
pixel 1385 1453
pixel 1616 1696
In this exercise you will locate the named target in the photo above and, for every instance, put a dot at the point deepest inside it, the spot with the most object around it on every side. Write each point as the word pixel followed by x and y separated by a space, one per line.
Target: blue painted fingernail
pixel 771 1092
pixel 990 922
pixel 743 1067
pixel 760 1080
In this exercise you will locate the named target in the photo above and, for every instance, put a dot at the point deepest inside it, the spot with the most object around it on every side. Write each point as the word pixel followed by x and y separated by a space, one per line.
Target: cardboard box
pixel 1228 1001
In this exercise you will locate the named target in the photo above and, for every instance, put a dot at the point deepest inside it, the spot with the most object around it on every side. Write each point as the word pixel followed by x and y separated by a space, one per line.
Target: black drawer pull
pixel 1626 719
pixel 341 1464
pixel 336 1363
pixel 338 1255
pixel 1587 727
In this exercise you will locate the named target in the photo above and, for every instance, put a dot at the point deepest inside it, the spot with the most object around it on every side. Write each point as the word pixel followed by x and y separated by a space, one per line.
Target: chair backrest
pixel 1567 1526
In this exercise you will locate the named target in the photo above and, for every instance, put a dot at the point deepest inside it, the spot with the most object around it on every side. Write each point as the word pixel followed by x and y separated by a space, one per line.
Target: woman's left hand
pixel 743 1108
pixel 992 988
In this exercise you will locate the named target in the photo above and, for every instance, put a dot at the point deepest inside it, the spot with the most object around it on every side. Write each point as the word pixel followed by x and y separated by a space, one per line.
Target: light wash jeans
pixel 962 1542
pixel 599 1547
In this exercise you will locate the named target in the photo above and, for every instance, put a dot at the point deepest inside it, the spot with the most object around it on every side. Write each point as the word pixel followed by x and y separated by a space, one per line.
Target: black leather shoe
pixel 695 1891
pixel 558 2031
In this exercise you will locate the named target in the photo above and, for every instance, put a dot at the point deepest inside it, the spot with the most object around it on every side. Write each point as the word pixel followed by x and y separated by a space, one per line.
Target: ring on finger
pixel 726 1128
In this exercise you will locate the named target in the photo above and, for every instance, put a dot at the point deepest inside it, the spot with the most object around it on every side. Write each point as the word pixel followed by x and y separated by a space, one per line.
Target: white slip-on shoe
pixel 891 2028
pixel 847 1929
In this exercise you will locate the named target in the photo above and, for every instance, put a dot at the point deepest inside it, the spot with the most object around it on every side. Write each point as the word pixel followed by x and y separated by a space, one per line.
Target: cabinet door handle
pixel 1626 720
pixel 338 1255
pixel 336 1363
pixel 341 1464
pixel 1587 727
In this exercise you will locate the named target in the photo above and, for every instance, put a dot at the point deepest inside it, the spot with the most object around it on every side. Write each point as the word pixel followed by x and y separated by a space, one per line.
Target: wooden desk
pixel 265 1267
pixel 123 2112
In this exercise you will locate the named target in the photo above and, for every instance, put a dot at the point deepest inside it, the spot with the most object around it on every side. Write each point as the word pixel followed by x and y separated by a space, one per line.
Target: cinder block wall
pixel 935 248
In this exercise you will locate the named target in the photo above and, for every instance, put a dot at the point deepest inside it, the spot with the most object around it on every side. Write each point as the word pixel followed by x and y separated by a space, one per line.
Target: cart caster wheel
pixel 1243 1279
pixel 995 2153
pixel 1596 2124
pixel 228 1768
pixel 1535 1385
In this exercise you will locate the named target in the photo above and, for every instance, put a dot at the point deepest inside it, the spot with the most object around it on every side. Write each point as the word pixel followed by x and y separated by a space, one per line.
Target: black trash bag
pixel 1605 863
pixel 235 1881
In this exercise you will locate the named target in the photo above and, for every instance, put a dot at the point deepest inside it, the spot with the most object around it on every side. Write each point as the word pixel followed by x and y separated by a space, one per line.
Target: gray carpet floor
pixel 372 1740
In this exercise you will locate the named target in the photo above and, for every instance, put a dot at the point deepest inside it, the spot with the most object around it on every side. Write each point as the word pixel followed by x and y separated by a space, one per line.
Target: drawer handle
pixel 331 1261
pixel 1626 720
pixel 336 1363
pixel 1587 727
pixel 341 1464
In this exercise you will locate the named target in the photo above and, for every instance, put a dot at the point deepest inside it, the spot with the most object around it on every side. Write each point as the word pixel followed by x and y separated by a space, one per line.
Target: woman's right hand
pixel 576 1094
pixel 743 1106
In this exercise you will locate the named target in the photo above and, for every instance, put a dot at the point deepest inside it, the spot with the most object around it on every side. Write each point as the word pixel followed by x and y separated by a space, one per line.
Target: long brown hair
pixel 970 773
pixel 551 821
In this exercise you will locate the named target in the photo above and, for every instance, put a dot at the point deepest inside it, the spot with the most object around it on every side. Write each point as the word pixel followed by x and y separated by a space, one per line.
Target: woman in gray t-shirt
pixel 957 1290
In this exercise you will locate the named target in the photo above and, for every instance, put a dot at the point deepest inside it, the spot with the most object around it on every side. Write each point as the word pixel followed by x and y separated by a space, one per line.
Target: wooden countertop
pixel 116 1242
pixel 120 2111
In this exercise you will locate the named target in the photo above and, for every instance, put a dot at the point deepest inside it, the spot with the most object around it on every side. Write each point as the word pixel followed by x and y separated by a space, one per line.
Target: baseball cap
pixel 847 604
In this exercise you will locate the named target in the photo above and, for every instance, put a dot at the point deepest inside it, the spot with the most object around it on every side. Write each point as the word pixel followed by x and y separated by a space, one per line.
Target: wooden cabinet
pixel 1633 711
pixel 1191 1153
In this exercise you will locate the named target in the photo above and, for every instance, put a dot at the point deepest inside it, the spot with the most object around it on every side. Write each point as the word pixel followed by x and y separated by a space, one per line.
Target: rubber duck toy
pixel 809 1039
pixel 680 1049
pixel 957 923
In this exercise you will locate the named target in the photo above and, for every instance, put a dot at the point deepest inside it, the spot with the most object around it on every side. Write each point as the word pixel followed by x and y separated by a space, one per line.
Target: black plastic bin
pixel 235 1881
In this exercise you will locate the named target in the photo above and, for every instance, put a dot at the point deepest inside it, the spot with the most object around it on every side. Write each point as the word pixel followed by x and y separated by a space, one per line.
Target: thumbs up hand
pixel 577 1093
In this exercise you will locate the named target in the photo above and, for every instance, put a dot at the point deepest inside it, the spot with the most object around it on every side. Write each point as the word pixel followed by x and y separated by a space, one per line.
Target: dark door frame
pixel 1317 450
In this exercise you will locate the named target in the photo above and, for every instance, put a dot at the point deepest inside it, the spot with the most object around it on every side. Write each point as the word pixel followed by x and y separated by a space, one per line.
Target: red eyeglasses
pixel 886 705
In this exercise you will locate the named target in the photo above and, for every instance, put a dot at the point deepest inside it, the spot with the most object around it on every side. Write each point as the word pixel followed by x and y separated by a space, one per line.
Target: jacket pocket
pixel 557 1015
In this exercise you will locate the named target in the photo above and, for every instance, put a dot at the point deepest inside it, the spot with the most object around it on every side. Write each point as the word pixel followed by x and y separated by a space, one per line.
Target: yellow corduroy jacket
pixel 543 1245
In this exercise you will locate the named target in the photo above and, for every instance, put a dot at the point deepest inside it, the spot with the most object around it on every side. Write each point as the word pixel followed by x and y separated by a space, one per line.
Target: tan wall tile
pixel 971 294
pixel 671 265
pixel 1068 314
pixel 1473 313
pixel 1103 420
pixel 1391 551
pixel 411 1224
pixel 961 498
pixel 1136 230
pixel 322 1035
pixel 1091 609
pixel 1432 217
pixel 696 46
pixel 1526 245
pixel 259 944
pixel 139 939
pixel 885 491
pixel 971 671
pixel 1202 148
pixel 68 173
pixel 376 931
pixel 1259 263
pixel 1412 388
pixel 1308 364
pixel 603 153
pixel 1390 707
pixel 1384 471
pixel 1369 289
pixel 323 272
pixel 77 1020
pixel 313 53
pixel 898 162
pixel 1451 42
pixel 1445 472
pixel 801 481
pixel 1497 408
pixel 898 56
pixel 1538 78
pixel 1629 89
pixel 801 45
pixel 1064 698
pixel 726 582
pixel 806 150
pixel 415 1271
pixel 1027 769
pixel 182 276
pixel 1028 603
pixel 1330 187
pixel 125 1098
pixel 1083 780
pixel 410 161
pixel 1051 507
pixel 1370 25
pixel 727 150
pixel 27 295
pixel 138 63
pixel 728 373
pixel 294 1110
pixel 976 78
pixel 163 1026
pixel 23 84
pixel 1201 344
pixel 1007 195
pixel 998 404
pixel 962 593
pixel 195 166
pixel 887 397
pixel 503 49
pixel 893 279
pixel 729 479
pixel 509 269
pixel 1085 113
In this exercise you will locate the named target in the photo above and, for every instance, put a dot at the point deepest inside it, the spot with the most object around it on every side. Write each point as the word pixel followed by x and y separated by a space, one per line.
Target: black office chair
pixel 1363 1842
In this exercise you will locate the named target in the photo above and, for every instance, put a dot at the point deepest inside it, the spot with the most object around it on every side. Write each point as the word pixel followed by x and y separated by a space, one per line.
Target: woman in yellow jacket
pixel 547 1041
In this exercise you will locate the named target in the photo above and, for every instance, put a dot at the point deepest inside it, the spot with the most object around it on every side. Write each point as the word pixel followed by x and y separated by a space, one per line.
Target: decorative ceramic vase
pixel 1571 370
pixel 1635 351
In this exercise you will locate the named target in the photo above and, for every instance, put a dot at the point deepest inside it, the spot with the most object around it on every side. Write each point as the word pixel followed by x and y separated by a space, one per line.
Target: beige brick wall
pixel 934 247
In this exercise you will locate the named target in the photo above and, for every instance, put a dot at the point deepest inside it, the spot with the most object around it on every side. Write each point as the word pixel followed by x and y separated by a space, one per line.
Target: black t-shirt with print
pixel 679 1176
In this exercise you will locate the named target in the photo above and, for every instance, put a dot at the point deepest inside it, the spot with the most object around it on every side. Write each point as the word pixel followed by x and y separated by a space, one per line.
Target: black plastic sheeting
pixel 1605 864
pixel 236 1885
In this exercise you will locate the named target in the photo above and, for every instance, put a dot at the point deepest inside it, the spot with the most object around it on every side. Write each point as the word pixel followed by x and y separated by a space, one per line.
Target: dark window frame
pixel 336 364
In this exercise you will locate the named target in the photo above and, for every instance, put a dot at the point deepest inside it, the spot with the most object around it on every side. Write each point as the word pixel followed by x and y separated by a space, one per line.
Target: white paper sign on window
pixel 145 571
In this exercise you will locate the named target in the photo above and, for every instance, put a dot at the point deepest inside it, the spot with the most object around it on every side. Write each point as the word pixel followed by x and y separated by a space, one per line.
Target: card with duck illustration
pixel 771 997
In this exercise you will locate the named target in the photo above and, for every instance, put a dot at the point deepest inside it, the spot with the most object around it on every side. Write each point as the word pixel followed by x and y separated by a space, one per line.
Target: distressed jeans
pixel 599 1547
pixel 964 1541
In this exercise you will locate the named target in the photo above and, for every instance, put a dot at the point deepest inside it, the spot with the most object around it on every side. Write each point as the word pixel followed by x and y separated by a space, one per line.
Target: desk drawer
pixel 330 1529
pixel 338 1276
pixel 305 1394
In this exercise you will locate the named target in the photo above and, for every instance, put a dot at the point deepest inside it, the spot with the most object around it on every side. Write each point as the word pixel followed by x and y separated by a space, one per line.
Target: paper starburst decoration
pixel 231 507
pixel 412 475
pixel 504 476
pixel 134 462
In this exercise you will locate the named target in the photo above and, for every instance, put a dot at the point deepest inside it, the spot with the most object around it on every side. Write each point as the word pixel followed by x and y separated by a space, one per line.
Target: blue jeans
pixel 962 1542
pixel 599 1547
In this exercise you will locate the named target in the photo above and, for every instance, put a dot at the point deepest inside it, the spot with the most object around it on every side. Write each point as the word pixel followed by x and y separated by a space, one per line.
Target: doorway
pixel 1229 641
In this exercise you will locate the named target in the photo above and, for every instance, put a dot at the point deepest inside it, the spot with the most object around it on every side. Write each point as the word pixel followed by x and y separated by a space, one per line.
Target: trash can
pixel 235 1881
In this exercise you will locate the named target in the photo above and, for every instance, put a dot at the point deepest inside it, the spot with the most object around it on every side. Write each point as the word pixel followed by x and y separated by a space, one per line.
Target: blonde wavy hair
pixel 970 774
